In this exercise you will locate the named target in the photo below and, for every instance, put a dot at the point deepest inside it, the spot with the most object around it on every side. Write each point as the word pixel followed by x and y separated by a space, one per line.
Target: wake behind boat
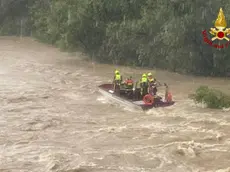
pixel 128 98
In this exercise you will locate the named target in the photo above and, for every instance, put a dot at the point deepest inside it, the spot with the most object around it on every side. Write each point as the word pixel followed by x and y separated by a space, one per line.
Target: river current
pixel 52 118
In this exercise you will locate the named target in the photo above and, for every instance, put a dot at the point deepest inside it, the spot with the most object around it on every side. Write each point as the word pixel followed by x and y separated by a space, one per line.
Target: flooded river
pixel 52 119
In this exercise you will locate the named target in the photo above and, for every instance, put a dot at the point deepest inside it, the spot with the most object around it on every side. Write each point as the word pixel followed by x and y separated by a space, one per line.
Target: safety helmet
pixel 150 74
pixel 144 75
pixel 117 72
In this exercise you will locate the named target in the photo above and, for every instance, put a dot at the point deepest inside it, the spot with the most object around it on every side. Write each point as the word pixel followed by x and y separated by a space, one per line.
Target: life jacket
pixel 144 80
pixel 151 80
pixel 129 82
pixel 117 77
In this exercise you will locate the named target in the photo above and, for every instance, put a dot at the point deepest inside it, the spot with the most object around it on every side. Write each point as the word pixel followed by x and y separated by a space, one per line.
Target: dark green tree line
pixel 148 33
pixel 14 18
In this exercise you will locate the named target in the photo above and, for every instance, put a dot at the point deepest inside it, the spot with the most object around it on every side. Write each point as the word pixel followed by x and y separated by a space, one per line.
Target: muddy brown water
pixel 52 119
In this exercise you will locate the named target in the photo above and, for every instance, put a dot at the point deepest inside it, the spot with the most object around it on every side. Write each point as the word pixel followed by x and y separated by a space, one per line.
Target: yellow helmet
pixel 144 75
pixel 116 72
pixel 150 74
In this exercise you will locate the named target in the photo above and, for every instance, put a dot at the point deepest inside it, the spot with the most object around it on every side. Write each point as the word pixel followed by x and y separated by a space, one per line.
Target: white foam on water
pixel 73 96
pixel 133 110
pixel 103 99
pixel 223 170
pixel 115 129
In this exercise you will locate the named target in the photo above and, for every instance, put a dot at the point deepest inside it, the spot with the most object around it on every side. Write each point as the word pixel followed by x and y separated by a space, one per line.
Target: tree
pixel 151 33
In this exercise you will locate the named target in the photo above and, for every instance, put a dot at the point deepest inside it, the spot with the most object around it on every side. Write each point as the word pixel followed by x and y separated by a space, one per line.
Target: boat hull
pixel 106 90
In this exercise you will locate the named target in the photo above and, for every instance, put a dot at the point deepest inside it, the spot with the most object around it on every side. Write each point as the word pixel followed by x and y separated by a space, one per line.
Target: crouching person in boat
pixel 129 83
pixel 144 85
pixel 117 80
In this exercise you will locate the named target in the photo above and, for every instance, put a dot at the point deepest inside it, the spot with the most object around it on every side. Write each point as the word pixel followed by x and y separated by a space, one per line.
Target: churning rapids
pixel 52 119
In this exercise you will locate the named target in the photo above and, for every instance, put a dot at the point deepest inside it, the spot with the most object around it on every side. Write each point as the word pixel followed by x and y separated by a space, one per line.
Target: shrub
pixel 211 97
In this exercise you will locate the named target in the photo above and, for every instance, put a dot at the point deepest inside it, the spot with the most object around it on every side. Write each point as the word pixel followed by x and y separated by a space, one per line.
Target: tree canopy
pixel 147 33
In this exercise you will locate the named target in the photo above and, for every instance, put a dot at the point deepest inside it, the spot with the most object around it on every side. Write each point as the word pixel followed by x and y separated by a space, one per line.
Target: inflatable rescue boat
pixel 126 97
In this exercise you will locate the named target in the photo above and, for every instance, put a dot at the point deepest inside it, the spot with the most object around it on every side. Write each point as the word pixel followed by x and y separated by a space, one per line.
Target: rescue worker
pixel 117 80
pixel 137 90
pixel 152 84
pixel 129 83
pixel 151 78
pixel 144 85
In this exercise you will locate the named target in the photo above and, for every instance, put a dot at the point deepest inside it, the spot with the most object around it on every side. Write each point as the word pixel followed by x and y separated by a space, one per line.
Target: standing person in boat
pixel 152 84
pixel 117 81
pixel 137 90
pixel 144 85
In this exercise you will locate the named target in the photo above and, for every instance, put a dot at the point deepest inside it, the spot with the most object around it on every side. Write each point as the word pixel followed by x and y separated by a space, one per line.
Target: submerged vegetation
pixel 211 97
pixel 147 33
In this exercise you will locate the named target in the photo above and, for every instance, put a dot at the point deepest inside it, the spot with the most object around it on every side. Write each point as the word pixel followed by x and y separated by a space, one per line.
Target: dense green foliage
pixel 14 18
pixel 150 33
pixel 211 97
